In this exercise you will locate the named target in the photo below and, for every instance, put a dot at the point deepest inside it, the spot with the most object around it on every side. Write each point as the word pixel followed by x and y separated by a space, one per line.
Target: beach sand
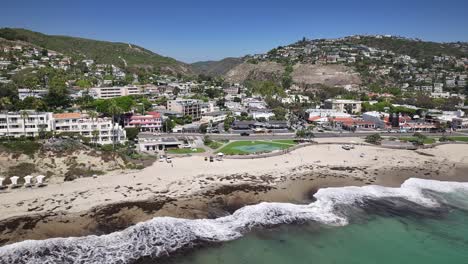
pixel 190 187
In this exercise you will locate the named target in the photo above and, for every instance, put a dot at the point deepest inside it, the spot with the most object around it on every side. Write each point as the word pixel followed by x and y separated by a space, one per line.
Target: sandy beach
pixel 191 187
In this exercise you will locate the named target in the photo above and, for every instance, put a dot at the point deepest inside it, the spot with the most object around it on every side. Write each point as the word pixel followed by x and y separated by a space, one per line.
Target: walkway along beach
pixel 190 187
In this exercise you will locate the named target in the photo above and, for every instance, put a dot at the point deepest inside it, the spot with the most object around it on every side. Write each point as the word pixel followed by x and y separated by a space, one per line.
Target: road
pixel 292 135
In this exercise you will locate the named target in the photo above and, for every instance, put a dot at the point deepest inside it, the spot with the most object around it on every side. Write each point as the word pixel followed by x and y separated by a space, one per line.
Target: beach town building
pixel 214 117
pixel 150 122
pixel 113 92
pixel 25 123
pixel 344 105
pixel 320 116
pixel 231 90
pixel 378 118
pixel 258 113
pixel 23 93
pixel 208 107
pixel 187 107
pixel 99 130
pixel 159 143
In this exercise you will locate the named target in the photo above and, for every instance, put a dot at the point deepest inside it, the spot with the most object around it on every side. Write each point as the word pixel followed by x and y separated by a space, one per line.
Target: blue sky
pixel 209 30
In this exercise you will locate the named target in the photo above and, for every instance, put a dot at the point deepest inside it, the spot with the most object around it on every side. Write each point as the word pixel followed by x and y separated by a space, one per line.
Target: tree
pixel 375 139
pixel 300 133
pixel 83 83
pixel 57 97
pixel 132 133
pixel 203 128
pixel 176 91
pixel 24 115
pixel 305 133
pixel 114 110
pixel 280 113
pixel 93 115
pixel 5 103
pixel 228 122
pixel 168 125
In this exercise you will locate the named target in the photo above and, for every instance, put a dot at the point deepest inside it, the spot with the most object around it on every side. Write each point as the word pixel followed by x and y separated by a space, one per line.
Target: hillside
pixel 415 48
pixel 101 51
pixel 359 62
pixel 216 68
pixel 303 74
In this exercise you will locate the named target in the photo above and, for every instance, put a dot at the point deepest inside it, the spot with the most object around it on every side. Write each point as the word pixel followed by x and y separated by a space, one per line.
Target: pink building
pixel 151 122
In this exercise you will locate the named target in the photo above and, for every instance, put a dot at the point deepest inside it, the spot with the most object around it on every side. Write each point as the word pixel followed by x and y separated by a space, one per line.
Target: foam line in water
pixel 164 235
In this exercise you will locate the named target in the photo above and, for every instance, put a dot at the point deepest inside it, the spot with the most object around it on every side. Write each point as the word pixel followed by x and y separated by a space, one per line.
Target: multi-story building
pixel 151 122
pixel 187 107
pixel 25 123
pixel 99 130
pixel 113 92
pixel 23 93
pixel 344 106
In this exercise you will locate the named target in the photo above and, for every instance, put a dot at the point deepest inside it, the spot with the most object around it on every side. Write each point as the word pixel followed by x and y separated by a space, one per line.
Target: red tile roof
pixel 67 116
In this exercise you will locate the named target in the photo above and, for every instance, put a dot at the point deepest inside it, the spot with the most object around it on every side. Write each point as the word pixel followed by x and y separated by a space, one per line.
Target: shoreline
pixel 193 194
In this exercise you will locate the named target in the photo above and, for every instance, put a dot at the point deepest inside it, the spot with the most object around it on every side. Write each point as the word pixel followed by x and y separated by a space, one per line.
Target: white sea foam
pixel 164 235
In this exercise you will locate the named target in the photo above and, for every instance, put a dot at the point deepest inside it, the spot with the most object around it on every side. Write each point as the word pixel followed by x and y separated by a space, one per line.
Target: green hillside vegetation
pixel 101 51
pixel 414 48
pixel 216 68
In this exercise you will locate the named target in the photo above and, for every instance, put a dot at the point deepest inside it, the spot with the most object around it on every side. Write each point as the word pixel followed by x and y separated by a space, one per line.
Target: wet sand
pixel 192 194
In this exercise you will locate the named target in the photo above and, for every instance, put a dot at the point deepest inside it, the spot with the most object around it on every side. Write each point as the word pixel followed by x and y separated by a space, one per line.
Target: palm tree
pixel 24 115
pixel 5 104
pixel 93 115
pixel 114 110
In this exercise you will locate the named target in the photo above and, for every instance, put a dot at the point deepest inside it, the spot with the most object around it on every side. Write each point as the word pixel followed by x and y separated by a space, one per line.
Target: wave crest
pixel 164 235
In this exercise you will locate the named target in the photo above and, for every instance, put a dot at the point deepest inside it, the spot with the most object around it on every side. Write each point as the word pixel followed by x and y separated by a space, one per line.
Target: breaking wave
pixel 162 236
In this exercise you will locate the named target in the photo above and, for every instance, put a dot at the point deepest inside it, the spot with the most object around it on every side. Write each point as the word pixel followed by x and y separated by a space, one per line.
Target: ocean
pixel 423 221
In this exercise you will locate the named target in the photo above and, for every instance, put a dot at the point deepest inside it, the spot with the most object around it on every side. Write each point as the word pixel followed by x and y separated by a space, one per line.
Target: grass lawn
pixel 428 140
pixel 185 151
pixel 215 144
pixel 464 139
pixel 257 146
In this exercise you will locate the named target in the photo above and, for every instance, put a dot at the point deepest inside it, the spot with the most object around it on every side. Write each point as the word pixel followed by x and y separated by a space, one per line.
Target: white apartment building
pixel 23 93
pixel 214 117
pixel 106 132
pixel 325 113
pixel 113 92
pixel 342 105
pixel 187 107
pixel 25 123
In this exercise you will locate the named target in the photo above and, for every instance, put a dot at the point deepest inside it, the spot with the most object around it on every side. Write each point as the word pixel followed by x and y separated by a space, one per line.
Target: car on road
pixel 244 134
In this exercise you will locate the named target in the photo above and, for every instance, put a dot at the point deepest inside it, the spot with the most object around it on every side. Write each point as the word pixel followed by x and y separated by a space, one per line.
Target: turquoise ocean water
pixel 423 221
pixel 389 239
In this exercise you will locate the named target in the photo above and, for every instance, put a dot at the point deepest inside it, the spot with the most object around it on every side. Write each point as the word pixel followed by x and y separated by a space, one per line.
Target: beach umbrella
pixel 220 154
